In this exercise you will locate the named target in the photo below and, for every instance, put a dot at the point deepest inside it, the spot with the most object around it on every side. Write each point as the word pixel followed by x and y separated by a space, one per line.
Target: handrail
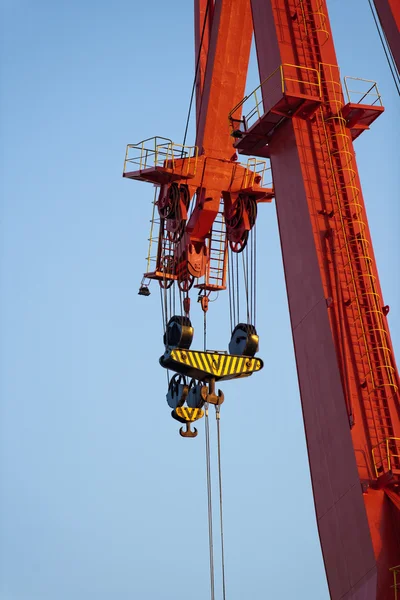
pixel 396 582
pixel 369 92
pixel 255 167
pixel 302 76
pixel 390 455
pixel 161 152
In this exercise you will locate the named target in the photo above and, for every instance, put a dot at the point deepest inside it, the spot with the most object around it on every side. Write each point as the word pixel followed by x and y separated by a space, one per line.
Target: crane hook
pixel 188 433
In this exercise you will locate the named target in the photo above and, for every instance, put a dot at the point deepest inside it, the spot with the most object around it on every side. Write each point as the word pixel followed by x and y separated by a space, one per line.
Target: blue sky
pixel 100 497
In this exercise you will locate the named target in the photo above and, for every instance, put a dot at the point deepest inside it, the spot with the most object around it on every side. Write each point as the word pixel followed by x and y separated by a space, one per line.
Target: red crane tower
pixel 206 209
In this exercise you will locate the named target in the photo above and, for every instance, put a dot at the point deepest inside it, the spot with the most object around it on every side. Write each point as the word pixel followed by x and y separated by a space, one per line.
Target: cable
pixel 164 323
pixel 217 416
pixel 205 330
pixel 396 83
pixel 237 287
pixel 255 274
pixel 230 291
pixel 209 502
pixel 246 287
pixel 195 76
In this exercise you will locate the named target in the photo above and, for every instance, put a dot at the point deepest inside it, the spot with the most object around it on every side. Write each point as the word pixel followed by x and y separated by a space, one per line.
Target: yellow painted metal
pixel 314 21
pixel 218 253
pixel 370 96
pixel 162 153
pixel 290 77
pixel 383 460
pixel 189 414
pixel 152 239
pixel 216 364
pixel 396 581
pixel 257 167
pixel 342 177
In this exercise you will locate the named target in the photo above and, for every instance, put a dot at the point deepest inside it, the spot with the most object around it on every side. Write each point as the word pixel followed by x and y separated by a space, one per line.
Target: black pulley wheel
pixel 179 333
pixel 177 391
pixel 244 340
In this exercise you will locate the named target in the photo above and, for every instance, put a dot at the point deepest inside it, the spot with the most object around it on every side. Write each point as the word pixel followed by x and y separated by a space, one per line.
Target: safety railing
pixel 257 172
pixel 386 455
pixel 287 79
pixel 396 581
pixel 366 93
pixel 161 152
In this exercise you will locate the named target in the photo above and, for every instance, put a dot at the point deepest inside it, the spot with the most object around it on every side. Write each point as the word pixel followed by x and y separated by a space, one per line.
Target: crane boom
pixel 304 121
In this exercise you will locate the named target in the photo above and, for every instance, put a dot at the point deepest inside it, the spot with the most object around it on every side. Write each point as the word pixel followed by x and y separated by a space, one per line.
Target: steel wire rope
pixel 395 75
pixel 164 323
pixel 237 287
pixel 209 490
pixel 218 419
pixel 230 293
pixel 246 285
pixel 252 275
pixel 255 274
pixel 209 502
pixel 195 75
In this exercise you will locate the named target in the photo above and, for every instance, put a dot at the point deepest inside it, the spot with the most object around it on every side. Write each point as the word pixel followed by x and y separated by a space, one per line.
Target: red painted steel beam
pixel 225 75
pixel 346 371
pixel 389 17
pixel 203 17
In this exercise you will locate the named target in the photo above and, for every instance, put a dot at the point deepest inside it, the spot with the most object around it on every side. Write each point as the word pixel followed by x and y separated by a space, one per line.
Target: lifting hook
pixel 188 433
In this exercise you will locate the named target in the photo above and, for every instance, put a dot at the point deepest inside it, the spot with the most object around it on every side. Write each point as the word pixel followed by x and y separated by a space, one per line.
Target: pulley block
pixel 244 340
pixel 168 205
pixel 204 366
pixel 167 267
pixel 173 207
pixel 177 391
pixel 187 416
pixel 240 218
pixel 179 333
pixel 197 395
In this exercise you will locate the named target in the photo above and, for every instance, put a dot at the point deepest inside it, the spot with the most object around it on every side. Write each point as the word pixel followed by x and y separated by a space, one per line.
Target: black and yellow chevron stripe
pixel 206 365
pixel 189 414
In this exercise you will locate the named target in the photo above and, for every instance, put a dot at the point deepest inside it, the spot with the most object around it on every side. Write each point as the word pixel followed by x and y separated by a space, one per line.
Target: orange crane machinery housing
pixel 205 212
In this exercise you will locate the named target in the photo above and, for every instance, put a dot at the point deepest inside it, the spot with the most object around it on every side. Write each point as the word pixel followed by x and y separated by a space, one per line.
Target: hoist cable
pixel 395 76
pixel 237 287
pixel 195 76
pixel 230 292
pixel 209 502
pixel 164 323
pixel 246 286
pixel 255 273
pixel 217 416
pixel 232 296
pixel 252 276
pixel 205 330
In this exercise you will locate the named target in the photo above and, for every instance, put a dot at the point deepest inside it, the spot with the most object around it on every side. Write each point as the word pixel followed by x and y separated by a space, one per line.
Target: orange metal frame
pixel 348 380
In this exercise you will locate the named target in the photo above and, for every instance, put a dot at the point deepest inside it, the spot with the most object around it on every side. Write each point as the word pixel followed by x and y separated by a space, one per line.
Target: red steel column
pixel 389 16
pixel 338 338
